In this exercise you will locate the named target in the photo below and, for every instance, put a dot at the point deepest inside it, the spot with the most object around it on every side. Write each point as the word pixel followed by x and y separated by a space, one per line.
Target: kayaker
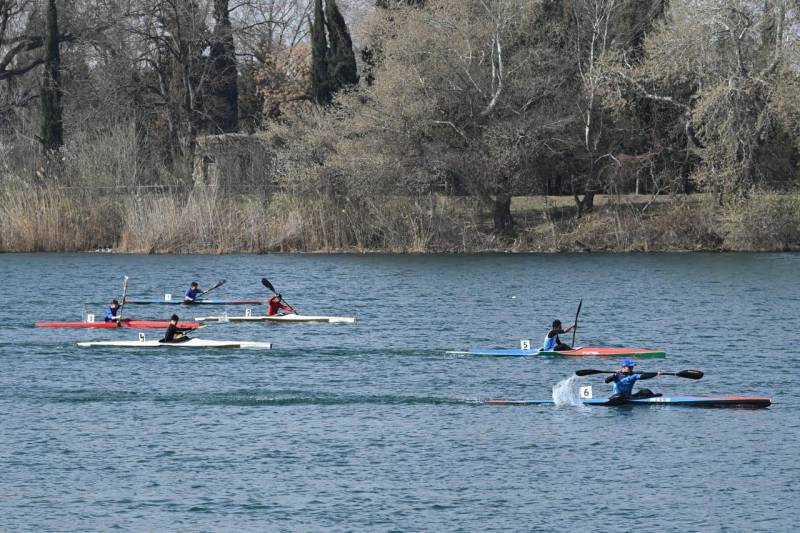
pixel 624 379
pixel 174 333
pixel 192 292
pixel 551 341
pixel 276 304
pixel 112 313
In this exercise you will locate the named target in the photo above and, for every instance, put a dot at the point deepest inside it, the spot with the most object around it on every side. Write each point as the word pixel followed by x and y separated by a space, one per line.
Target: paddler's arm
pixel 612 377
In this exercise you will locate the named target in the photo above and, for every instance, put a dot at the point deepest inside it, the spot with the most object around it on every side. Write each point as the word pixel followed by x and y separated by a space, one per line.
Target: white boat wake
pixel 565 392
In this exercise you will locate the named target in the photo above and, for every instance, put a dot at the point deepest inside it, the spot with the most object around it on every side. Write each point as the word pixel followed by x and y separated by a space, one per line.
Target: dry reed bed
pixel 36 219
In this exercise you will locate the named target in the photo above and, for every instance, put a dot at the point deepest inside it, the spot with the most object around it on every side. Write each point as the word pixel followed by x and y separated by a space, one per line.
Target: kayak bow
pixel 584 351
pixel 685 401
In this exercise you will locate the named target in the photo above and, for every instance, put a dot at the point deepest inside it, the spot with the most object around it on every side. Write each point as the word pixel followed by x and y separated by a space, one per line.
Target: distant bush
pixel 763 222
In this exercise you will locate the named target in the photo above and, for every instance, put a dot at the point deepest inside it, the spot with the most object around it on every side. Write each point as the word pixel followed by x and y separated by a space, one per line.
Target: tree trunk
pixel 501 214
pixel 584 204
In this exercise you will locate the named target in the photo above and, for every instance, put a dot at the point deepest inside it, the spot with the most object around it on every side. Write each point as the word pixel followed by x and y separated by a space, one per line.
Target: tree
pixel 468 100
pixel 52 133
pixel 341 59
pixel 223 98
pixel 720 70
pixel 321 90
pixel 332 58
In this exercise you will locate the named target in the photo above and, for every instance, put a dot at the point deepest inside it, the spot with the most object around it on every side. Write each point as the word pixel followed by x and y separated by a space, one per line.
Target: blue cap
pixel 629 362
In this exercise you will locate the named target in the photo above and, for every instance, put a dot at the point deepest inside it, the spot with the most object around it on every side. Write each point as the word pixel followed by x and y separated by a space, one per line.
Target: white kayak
pixel 278 318
pixel 191 343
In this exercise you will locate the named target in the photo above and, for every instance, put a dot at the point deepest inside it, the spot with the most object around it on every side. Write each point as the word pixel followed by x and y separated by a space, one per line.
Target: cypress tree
pixel 320 83
pixel 342 69
pixel 52 137
pixel 224 90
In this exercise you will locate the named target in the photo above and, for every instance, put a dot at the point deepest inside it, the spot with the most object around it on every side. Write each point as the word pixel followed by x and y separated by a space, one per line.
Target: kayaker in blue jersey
pixel 174 333
pixel 551 341
pixel 192 292
pixel 112 313
pixel 624 380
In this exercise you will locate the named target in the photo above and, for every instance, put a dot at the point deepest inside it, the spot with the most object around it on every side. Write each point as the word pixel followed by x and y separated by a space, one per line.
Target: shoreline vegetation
pixel 41 219
pixel 401 126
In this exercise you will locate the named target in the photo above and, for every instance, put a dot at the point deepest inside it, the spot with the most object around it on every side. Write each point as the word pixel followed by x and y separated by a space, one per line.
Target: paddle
pixel 575 329
pixel 688 374
pixel 122 302
pixel 265 282
pixel 219 284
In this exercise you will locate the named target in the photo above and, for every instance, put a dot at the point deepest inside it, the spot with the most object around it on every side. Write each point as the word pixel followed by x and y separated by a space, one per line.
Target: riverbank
pixel 66 220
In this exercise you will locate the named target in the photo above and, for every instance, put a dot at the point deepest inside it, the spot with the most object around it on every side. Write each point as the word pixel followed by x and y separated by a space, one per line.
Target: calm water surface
pixel 371 426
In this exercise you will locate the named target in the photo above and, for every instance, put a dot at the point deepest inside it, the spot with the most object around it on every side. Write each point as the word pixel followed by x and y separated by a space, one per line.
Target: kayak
pixel 583 351
pixel 191 343
pixel 686 401
pixel 135 324
pixel 196 302
pixel 278 318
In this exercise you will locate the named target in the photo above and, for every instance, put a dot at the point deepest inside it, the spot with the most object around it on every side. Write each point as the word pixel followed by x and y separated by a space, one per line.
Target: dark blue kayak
pixel 196 302
pixel 687 401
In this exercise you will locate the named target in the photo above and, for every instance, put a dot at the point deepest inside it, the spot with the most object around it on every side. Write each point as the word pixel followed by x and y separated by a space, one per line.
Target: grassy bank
pixel 53 219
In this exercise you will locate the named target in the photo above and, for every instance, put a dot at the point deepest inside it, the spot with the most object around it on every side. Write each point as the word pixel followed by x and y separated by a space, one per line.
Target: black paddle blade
pixel 219 284
pixel 689 374
pixel 265 282
pixel 590 372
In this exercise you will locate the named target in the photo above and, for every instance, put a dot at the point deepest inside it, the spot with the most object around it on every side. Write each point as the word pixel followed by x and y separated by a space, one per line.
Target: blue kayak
pixel 687 401
pixel 180 301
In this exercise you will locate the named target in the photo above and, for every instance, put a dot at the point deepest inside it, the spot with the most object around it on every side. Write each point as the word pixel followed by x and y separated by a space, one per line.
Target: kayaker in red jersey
pixel 175 334
pixel 623 380
pixel 276 304
pixel 551 341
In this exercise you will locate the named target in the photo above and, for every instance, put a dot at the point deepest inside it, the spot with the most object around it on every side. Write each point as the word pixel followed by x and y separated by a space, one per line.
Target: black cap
pixel 174 317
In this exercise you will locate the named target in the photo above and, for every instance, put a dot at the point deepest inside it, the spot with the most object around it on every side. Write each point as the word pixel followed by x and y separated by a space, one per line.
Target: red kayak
pixel 136 324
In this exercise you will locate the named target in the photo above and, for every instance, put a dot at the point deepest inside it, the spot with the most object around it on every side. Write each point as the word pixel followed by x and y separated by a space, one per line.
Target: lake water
pixel 371 426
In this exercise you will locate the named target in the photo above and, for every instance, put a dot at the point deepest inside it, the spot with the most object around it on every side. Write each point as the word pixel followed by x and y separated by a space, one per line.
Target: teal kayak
pixel 583 351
